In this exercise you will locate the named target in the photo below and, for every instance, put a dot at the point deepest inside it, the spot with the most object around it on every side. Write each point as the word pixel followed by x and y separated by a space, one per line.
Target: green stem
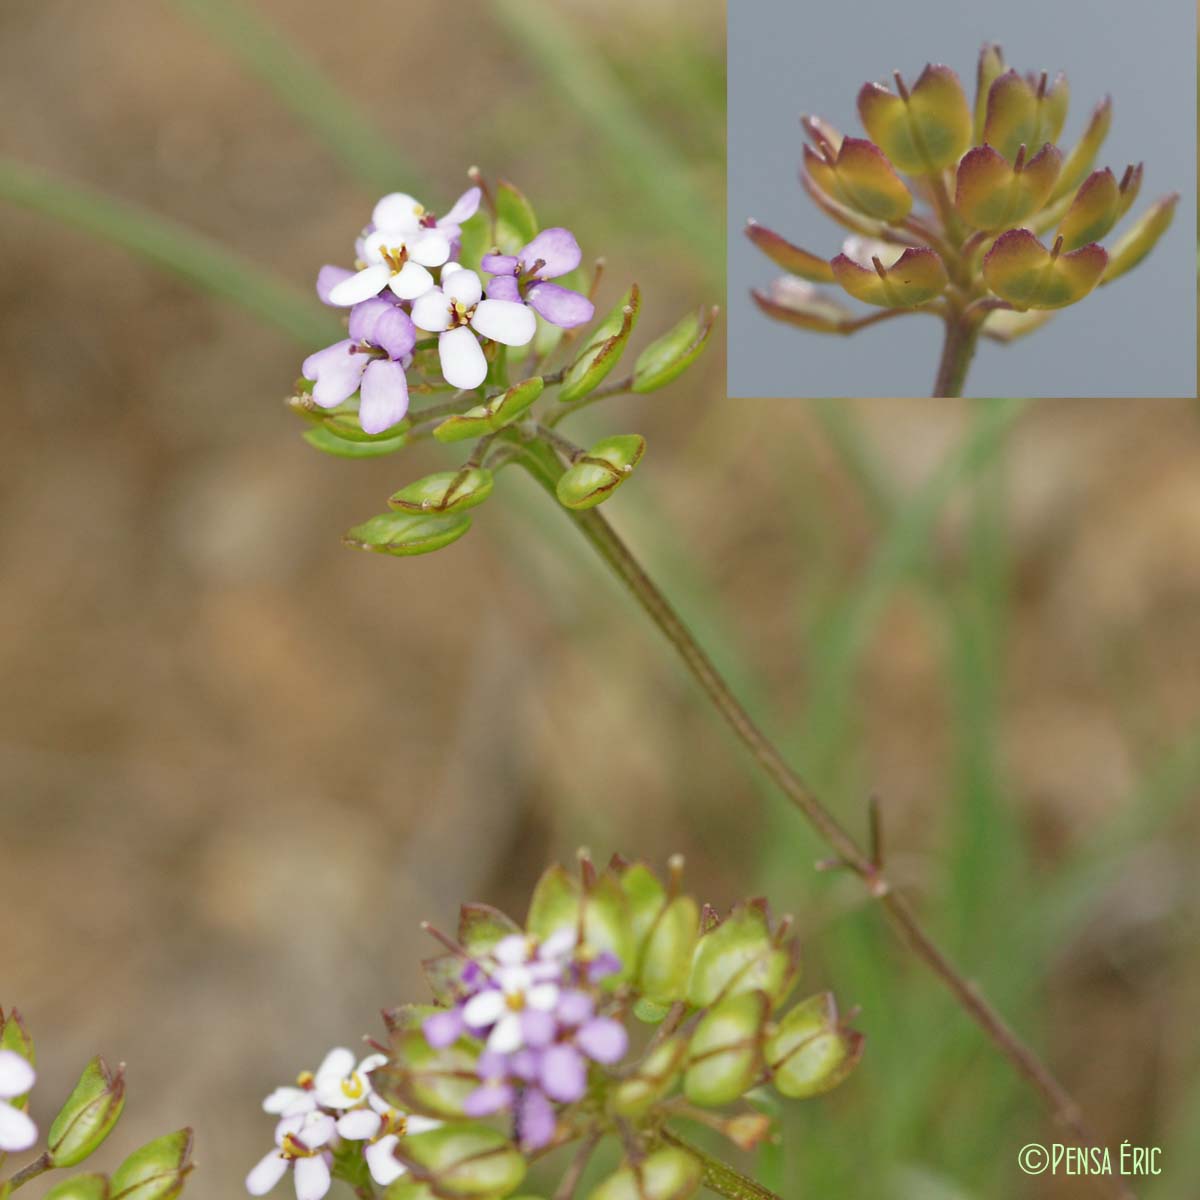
pixel 541 462
pixel 32 1170
pixel 962 336
pixel 201 261
pixel 720 1177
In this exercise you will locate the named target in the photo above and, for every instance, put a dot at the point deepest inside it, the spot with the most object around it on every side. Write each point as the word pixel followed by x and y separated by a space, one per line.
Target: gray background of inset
pixel 1135 338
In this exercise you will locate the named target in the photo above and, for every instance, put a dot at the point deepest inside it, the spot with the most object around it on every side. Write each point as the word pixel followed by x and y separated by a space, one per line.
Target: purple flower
pixel 371 361
pixel 523 276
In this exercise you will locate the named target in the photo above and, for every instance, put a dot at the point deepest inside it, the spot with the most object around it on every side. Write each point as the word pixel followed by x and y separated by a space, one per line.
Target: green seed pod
pixel 665 961
pixel 554 904
pixel 464 1160
pixel 419 1077
pixel 810 1052
pixel 155 1172
pixel 480 927
pixel 667 358
pixel 328 442
pixel 645 899
pixel 516 222
pixel 603 351
pixel 15 1036
pixel 597 474
pixel 740 955
pixel 654 1077
pixel 492 416
pixel 725 1058
pixel 445 492
pixel 88 1116
pixel 406 534
pixel 80 1187
pixel 667 1174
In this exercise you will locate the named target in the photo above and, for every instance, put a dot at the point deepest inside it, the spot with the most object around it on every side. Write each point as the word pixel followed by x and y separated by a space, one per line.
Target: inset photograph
pixel 988 204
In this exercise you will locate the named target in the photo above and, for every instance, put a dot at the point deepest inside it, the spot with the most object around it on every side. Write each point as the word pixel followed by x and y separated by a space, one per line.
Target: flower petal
pixel 266 1174
pixel 463 363
pixel 506 1035
pixel 543 996
pixel 411 281
pixel 560 306
pixel 488 1099
pixel 328 277
pixel 285 1101
pixel 368 282
pixel 431 311
pixel 359 1124
pixel 17 1130
pixel 312 1178
pixel 463 286
pixel 464 208
pixel 487 1007
pixel 431 249
pixel 503 287
pixel 16 1075
pixel 535 1119
pixel 385 1168
pixel 512 949
pixel 384 396
pixel 558 251
pixel 419 1124
pixel 500 264
pixel 564 1073
pixel 398 211
pixel 603 1040
pixel 538 1027
pixel 395 333
pixel 443 1028
pixel 505 321
pixel 337 371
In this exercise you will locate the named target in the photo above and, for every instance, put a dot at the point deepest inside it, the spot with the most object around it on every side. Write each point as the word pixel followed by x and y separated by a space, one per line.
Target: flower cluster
pixel 157 1171
pixel 476 305
pixel 619 1006
pixel 393 294
pixel 333 1110
pixel 995 182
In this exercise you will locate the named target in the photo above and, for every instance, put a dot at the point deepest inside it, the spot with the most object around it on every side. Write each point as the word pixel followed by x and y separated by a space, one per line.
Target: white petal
pixel 312 1178
pixel 484 1008
pixel 543 996
pixel 382 1162
pixel 463 286
pixel 511 949
pixel 318 1129
pixel 337 1064
pixel 506 1035
pixel 431 249
pixel 411 281
pixel 463 363
pixel 398 210
pixel 368 1064
pixel 419 1124
pixel 17 1131
pixel 514 979
pixel 359 1125
pixel 505 321
pixel 559 944
pixel 16 1075
pixel 431 311
pixel 269 1171
pixel 284 1101
pixel 363 286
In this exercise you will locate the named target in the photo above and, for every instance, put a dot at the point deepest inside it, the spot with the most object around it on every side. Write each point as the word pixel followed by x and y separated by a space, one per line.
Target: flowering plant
pixel 996 184
pixel 621 1007
pixel 476 304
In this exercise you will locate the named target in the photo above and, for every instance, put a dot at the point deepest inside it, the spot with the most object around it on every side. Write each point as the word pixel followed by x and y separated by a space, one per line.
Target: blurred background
pixel 240 764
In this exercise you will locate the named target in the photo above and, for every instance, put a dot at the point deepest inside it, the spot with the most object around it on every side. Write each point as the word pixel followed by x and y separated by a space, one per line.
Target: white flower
pixel 340 1084
pixel 457 312
pixel 17 1131
pixel 381 1127
pixel 301 1141
pixel 398 210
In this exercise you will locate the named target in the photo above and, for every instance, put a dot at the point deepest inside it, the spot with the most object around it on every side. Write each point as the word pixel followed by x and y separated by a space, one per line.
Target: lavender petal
pixel 558 251
pixel 561 306
pixel 328 277
pixel 564 1073
pixel 603 1040
pixel 535 1120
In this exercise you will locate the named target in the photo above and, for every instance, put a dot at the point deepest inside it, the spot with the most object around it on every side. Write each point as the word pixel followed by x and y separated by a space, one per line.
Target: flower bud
pixel 667 1174
pixel 405 534
pixel 80 1187
pixel 88 1116
pixel 492 416
pixel 155 1172
pixel 740 955
pixel 725 1056
pixel 654 1077
pixel 605 346
pixel 597 474
pixel 667 358
pixel 445 492
pixel 463 1160
pixel 810 1051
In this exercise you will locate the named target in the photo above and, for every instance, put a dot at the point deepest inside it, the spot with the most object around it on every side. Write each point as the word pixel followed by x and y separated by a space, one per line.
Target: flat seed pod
pixel 1020 112
pixel 445 492
pixel 667 357
pixel 666 1174
pixel 991 67
pixel 492 416
pixel 991 193
pixel 604 348
pixel 922 130
pixel 791 258
pixel 798 303
pixel 1019 269
pixel 1093 212
pixel 916 277
pixel 406 534
pixel 464 1159
pixel 1133 246
pixel 861 178
pixel 593 478
pixel 1082 155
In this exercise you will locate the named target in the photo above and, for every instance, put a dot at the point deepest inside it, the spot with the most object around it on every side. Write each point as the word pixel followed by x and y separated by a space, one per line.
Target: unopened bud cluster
pixel 484 307
pixel 155 1172
pixel 619 1005
pixel 1011 224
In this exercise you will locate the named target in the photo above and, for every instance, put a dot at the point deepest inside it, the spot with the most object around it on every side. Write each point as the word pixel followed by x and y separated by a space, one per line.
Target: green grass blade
pixel 201 261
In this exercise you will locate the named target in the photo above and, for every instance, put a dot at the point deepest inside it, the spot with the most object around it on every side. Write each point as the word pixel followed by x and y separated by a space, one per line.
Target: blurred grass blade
pixel 348 130
pixel 658 170
pixel 201 261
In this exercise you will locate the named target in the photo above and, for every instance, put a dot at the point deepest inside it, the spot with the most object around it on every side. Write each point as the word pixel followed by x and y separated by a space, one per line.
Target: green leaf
pixel 606 345
pixel 667 358
pixel 405 534
pixel 594 477
pixel 445 492
pixel 516 224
